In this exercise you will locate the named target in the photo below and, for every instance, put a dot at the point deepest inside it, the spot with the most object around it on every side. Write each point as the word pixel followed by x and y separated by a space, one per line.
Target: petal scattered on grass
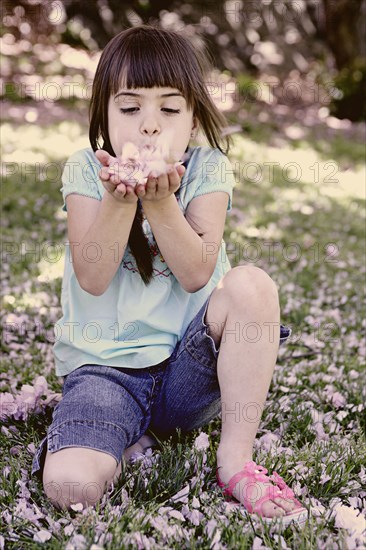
pixel 202 442
pixel 77 507
pixel 349 518
pixel 182 495
pixel 177 515
pixel 42 536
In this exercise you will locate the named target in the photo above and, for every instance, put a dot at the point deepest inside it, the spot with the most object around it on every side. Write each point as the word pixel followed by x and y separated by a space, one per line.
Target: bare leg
pixel 77 474
pixel 244 301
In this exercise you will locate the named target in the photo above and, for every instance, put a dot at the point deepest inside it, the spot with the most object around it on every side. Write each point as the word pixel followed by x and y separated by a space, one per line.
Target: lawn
pixel 299 215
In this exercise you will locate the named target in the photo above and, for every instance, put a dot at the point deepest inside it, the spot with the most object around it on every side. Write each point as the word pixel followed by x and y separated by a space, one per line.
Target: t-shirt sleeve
pixel 80 176
pixel 216 175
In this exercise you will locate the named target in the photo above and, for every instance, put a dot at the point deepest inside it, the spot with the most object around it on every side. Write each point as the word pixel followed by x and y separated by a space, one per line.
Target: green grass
pixel 318 451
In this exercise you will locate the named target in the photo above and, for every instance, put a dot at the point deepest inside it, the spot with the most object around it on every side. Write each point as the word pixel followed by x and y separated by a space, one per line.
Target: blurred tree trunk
pixel 344 27
pixel 341 24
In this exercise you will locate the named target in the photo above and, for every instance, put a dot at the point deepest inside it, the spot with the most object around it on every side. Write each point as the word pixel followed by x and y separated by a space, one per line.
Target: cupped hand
pixel 122 192
pixel 161 187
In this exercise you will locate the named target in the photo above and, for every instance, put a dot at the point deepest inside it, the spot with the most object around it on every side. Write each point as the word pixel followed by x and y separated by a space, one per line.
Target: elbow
pixel 93 292
pixel 194 289
pixel 89 288
pixel 86 281
pixel 196 285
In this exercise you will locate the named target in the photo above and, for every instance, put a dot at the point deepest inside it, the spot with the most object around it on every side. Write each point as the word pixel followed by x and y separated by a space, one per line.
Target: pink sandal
pixel 255 474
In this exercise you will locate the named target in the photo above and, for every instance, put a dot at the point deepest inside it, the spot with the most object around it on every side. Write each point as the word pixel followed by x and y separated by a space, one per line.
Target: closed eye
pixel 171 111
pixel 135 109
pixel 129 110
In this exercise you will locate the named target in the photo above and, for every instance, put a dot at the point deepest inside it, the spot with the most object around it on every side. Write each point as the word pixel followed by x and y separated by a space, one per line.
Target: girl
pixel 158 332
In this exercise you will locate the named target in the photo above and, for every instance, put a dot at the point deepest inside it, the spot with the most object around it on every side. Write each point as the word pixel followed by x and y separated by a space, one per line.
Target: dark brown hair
pixel 147 57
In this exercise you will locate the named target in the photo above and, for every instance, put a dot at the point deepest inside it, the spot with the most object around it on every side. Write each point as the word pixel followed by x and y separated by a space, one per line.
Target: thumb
pixel 180 169
pixel 103 157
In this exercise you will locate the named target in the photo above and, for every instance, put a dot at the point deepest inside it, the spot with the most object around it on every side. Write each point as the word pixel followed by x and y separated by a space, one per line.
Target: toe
pixel 286 504
pixel 272 510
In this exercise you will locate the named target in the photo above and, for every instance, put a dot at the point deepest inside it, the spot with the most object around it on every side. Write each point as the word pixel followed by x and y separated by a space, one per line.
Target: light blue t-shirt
pixel 132 325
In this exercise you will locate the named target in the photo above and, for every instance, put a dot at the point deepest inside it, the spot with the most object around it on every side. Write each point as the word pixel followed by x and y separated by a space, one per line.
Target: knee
pixel 64 488
pixel 250 282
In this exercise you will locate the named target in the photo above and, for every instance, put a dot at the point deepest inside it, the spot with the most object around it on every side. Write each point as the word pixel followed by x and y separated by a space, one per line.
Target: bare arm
pixel 98 233
pixel 190 244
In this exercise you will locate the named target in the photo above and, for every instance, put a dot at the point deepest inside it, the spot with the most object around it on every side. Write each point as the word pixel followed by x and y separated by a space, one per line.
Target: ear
pixel 195 124
pixel 194 128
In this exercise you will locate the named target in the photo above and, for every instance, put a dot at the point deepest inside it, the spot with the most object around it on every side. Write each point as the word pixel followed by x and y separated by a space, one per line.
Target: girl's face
pixel 142 115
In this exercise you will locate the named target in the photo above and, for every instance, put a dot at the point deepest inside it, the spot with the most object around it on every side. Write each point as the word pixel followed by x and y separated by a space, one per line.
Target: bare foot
pixel 144 443
pixel 275 507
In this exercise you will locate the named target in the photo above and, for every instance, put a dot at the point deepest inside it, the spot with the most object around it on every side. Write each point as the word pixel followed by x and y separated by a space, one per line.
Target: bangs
pixel 147 61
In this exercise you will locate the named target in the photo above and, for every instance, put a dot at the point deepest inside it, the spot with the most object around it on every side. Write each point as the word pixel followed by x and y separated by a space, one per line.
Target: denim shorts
pixel 109 409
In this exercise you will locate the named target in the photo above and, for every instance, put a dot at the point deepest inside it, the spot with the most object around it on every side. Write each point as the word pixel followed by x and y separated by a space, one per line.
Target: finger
pixel 115 179
pixel 151 184
pixel 121 188
pixel 163 183
pixel 174 178
pixel 140 190
pixel 130 189
pixel 130 194
pixel 103 157
pixel 180 169
pixel 104 174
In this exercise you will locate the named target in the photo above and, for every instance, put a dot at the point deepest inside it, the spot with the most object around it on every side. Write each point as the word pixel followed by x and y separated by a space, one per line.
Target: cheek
pixel 183 130
pixel 188 128
pixel 112 125
pixel 114 139
pixel 117 131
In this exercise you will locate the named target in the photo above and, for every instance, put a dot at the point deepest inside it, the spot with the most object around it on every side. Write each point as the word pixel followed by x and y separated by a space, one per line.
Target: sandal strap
pixel 256 473
pixel 286 491
pixel 251 470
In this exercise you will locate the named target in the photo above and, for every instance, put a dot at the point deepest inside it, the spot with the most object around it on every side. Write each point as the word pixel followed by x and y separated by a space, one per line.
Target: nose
pixel 150 126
